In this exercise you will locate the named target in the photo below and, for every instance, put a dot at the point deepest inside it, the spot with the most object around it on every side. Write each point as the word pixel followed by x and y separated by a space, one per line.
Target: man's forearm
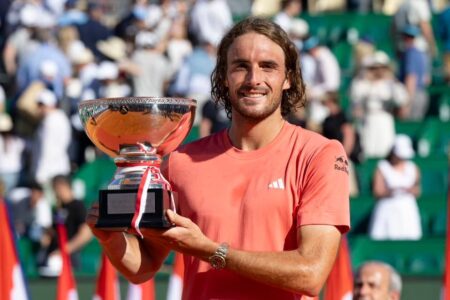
pixel 138 260
pixel 302 271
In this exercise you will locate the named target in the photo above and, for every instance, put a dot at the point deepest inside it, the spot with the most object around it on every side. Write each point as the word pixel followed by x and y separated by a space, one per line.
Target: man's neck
pixel 250 135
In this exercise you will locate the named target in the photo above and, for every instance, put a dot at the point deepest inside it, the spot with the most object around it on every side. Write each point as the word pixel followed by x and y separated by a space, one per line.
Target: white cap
pixel 29 15
pixel 78 53
pixel 48 98
pixel 48 68
pixel 146 39
pixel 299 28
pixel 403 147
pixel 379 58
pixel 107 70
pixel 6 123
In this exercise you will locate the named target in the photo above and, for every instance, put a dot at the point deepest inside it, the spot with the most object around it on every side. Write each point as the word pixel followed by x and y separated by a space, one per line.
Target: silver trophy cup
pixel 137 132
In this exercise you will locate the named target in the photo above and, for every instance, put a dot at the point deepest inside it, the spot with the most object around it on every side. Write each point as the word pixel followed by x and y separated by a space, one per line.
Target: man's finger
pixel 177 219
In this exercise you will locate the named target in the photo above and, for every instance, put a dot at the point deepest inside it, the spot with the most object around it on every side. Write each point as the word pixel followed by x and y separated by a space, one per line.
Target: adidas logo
pixel 277 184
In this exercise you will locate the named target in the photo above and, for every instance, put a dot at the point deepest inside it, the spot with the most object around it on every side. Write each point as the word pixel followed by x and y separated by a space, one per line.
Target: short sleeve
pixel 324 192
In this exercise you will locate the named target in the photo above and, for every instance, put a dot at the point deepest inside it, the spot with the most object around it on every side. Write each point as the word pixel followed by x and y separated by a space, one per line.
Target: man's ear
pixel 287 83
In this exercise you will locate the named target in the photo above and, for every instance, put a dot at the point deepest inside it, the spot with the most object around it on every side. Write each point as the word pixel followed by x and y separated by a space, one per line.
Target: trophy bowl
pixel 137 132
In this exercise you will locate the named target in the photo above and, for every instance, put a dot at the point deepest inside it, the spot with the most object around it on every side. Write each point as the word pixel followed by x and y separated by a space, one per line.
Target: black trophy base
pixel 117 207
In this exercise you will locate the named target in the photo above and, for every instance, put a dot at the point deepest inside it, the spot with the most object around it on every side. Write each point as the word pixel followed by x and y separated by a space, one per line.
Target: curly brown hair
pixel 292 98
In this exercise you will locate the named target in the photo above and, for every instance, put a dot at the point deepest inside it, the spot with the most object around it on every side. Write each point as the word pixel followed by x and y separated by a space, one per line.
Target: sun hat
pixel 403 147
pixel 113 48
pixel 47 98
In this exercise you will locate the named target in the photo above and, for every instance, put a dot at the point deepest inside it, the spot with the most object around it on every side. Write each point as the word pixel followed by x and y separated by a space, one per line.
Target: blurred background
pixel 377 74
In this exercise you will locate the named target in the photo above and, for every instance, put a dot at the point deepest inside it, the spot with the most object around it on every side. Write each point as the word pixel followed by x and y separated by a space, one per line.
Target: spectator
pixel 414 73
pixel 336 126
pixel 72 213
pixel 377 280
pixel 193 78
pixel 32 214
pixel 11 153
pixel 396 187
pixel 93 29
pixel 20 44
pixel 51 144
pixel 376 97
pixel 326 77
pixel 290 9
pixel 46 59
pixel 444 29
pixel 210 20
pixel 415 13
pixel 154 74
pixel 178 45
pixel 214 119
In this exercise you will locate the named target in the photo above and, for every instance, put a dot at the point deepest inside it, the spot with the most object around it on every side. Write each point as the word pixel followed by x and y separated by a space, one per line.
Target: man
pixel 414 72
pixel 72 213
pixel 377 281
pixel 49 156
pixel 270 236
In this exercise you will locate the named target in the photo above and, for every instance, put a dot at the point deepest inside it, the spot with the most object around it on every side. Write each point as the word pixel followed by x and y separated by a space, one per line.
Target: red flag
pixel 66 288
pixel 175 288
pixel 12 283
pixel 107 282
pixel 340 281
pixel 143 291
pixel 446 288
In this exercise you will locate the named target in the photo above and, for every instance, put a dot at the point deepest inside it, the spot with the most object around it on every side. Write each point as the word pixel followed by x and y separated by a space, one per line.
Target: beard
pixel 253 111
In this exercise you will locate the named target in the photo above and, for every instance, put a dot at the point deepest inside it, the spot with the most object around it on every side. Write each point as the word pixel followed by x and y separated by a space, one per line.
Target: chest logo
pixel 341 164
pixel 277 184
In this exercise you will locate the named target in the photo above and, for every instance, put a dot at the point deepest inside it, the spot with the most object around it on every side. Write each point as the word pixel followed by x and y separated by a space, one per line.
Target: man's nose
pixel 254 76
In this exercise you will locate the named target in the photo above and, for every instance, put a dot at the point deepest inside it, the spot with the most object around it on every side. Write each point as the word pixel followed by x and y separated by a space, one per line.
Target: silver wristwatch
pixel 218 259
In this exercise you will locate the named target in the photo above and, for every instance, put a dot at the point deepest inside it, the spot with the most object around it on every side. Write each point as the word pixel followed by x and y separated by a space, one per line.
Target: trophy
pixel 137 132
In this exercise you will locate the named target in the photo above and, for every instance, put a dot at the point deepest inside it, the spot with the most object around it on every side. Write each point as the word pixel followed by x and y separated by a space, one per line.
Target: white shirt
pixel 210 20
pixel 11 154
pixel 50 147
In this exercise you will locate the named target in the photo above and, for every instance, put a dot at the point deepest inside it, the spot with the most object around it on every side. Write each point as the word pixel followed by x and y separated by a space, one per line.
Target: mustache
pixel 253 89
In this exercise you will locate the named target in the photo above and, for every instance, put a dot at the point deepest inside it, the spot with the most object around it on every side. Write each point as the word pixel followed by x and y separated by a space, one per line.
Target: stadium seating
pixel 411 258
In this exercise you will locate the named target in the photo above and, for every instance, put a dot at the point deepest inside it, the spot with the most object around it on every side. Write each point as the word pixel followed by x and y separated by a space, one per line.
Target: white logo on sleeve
pixel 277 184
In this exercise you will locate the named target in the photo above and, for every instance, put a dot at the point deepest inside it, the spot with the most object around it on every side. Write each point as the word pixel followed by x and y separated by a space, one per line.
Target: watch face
pixel 217 261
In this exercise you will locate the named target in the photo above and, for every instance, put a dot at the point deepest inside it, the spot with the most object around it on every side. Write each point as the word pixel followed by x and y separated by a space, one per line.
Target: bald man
pixel 376 280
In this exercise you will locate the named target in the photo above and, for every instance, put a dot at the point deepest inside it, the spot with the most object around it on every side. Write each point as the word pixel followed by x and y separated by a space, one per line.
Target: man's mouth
pixel 253 93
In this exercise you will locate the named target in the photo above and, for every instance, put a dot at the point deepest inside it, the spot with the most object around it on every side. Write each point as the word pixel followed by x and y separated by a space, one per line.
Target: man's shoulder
pixel 312 142
pixel 202 145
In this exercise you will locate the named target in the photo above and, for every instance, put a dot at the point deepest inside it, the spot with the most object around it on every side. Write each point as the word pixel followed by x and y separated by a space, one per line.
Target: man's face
pixel 256 76
pixel 372 283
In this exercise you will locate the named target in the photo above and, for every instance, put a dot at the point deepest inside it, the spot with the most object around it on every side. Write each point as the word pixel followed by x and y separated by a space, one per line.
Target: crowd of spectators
pixel 56 54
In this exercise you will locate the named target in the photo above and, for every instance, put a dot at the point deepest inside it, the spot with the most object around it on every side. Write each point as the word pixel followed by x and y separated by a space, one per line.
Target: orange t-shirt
pixel 256 200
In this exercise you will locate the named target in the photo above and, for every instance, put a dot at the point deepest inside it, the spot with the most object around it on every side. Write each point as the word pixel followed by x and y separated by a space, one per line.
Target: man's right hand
pixel 102 234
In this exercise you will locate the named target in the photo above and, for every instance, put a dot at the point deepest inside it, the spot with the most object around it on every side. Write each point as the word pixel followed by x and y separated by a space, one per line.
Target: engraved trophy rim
pixel 138 100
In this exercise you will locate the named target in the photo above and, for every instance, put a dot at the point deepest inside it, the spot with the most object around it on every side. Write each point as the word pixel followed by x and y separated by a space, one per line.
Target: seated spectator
pixel 50 147
pixel 337 126
pixel 396 187
pixel 11 153
pixel 377 280
pixel 325 77
pixel 214 118
pixel 290 9
pixel 32 216
pixel 72 213
pixel 377 97
pixel 415 74
pixel 443 28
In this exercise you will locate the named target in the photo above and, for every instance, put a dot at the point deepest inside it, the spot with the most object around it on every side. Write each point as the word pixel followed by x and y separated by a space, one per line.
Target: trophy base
pixel 117 207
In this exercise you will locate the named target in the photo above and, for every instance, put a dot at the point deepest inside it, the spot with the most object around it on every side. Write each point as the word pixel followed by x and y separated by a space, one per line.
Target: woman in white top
pixel 396 187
